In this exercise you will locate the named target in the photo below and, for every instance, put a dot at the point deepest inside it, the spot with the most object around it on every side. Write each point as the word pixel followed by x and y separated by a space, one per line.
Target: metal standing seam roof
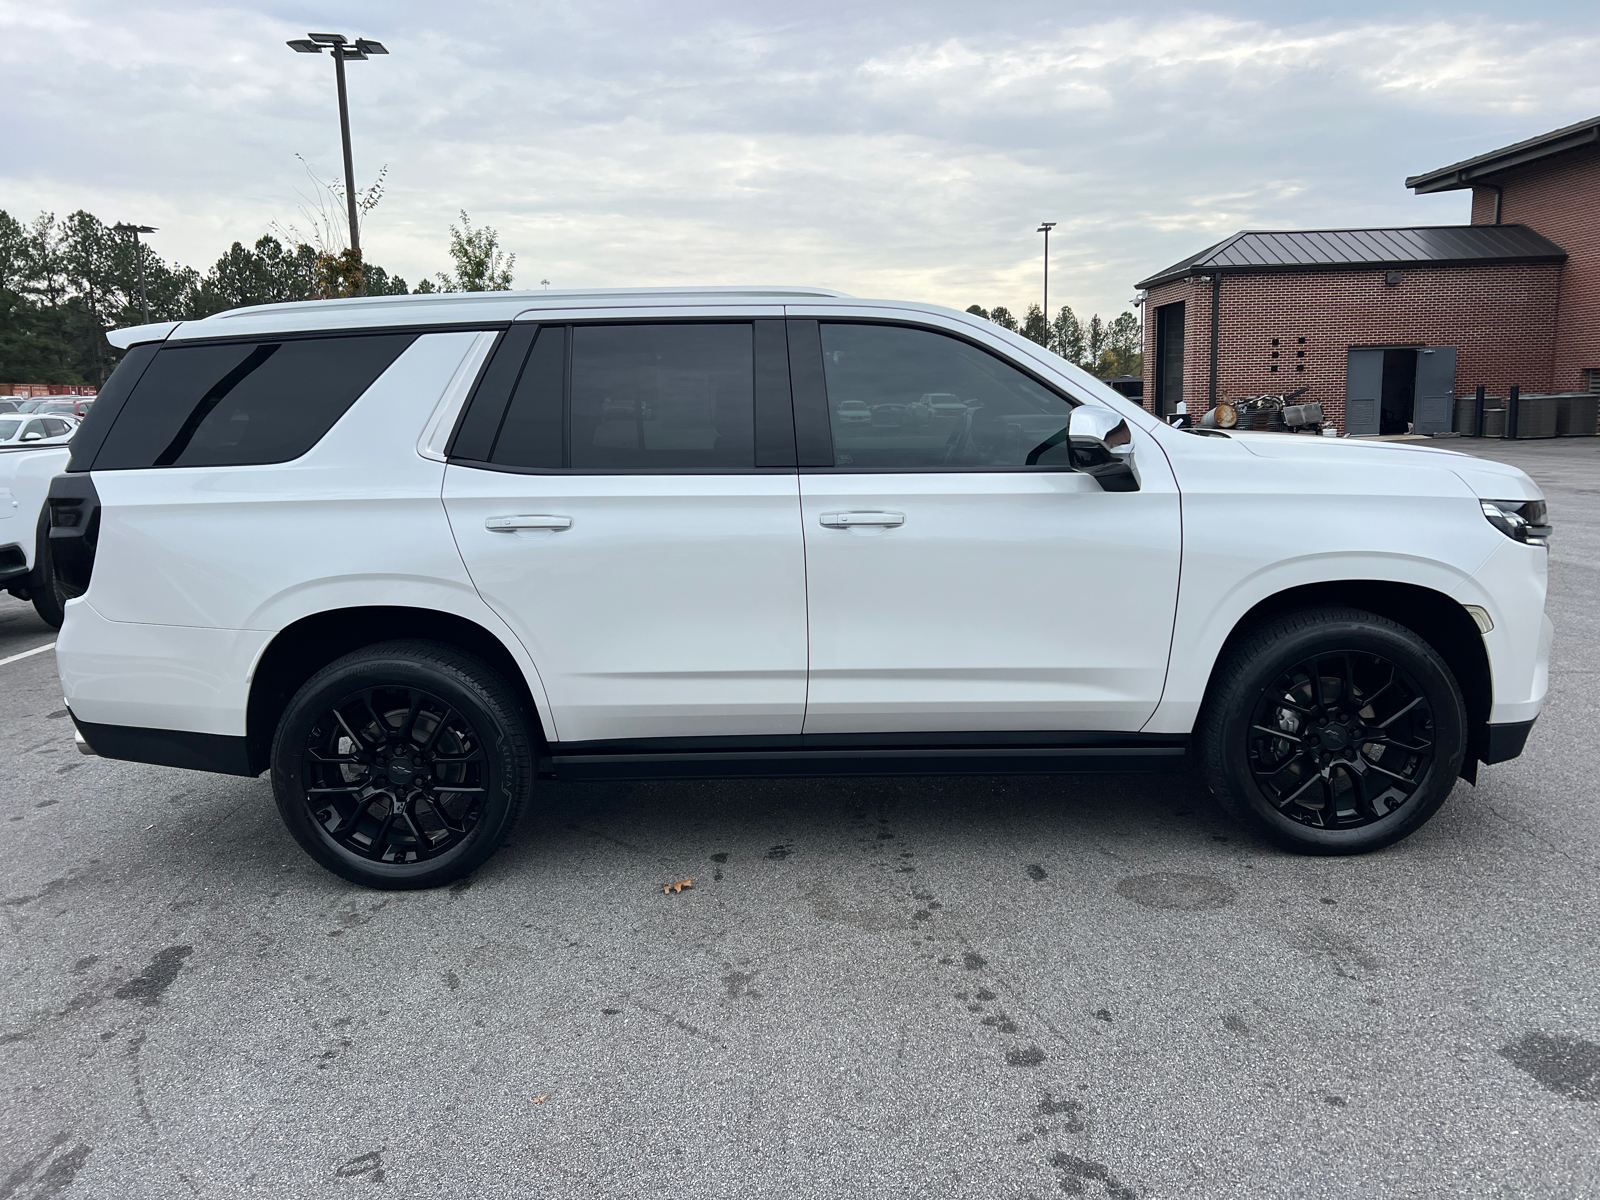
pixel 1462 174
pixel 1254 251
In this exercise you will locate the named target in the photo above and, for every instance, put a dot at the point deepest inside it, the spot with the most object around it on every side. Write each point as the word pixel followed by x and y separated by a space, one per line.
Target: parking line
pixel 28 653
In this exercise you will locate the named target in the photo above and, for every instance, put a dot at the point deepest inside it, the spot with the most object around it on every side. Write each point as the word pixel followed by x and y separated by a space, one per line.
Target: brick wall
pixel 1560 198
pixel 1502 319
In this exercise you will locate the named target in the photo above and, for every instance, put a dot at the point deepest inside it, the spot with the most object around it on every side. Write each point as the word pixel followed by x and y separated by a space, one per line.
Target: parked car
pixel 25 563
pixel 10 404
pixel 75 407
pixel 941 406
pixel 400 562
pixel 21 429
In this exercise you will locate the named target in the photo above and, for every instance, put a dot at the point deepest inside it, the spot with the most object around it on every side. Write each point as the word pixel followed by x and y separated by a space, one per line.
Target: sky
pixel 888 149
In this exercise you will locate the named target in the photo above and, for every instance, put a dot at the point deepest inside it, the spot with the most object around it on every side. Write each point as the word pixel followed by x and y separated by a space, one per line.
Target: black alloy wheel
pixel 402 765
pixel 1341 740
pixel 394 774
pixel 1332 731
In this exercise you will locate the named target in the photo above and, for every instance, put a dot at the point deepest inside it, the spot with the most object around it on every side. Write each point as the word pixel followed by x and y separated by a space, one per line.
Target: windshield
pixel 8 429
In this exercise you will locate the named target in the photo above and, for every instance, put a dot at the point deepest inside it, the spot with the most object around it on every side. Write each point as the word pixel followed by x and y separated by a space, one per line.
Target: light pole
pixel 138 258
pixel 343 51
pixel 1045 228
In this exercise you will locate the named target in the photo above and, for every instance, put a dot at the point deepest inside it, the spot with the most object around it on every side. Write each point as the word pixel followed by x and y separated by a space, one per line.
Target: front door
pixel 952 587
pixel 617 519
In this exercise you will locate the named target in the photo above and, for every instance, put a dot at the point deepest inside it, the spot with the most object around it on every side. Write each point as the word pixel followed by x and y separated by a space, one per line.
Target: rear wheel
pixel 402 765
pixel 1333 731
pixel 49 598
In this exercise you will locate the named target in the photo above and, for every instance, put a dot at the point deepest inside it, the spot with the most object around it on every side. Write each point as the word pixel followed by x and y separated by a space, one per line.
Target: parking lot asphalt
pixel 906 988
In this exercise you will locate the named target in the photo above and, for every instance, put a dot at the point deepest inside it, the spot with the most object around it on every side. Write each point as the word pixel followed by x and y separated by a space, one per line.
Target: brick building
pixel 1386 326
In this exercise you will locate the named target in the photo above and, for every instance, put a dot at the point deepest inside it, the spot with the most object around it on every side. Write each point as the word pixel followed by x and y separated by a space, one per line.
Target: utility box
pixel 1494 416
pixel 1536 417
pixel 1577 414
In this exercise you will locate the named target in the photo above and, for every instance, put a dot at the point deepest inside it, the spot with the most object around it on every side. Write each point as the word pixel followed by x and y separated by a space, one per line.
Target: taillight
pixel 74 530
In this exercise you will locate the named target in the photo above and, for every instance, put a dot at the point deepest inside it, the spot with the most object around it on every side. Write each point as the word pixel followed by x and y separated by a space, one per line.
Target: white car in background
pixel 25 429
pixel 414 554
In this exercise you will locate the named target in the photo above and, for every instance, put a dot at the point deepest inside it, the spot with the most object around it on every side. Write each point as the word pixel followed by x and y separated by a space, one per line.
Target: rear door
pixel 624 495
pixel 952 586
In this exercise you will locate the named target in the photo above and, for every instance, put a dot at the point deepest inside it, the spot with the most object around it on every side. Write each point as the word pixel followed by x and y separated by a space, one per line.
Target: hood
pixel 1488 479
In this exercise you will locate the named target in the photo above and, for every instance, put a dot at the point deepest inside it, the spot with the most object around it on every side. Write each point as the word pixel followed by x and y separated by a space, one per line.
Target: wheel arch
pixel 304 647
pixel 1433 616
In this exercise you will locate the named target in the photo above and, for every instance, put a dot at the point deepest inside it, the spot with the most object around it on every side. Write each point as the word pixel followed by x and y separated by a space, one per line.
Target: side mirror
pixel 1102 446
pixel 33 436
pixel 1096 441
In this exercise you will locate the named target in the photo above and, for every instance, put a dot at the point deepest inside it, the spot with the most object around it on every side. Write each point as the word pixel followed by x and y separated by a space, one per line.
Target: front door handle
pixel 536 521
pixel 844 520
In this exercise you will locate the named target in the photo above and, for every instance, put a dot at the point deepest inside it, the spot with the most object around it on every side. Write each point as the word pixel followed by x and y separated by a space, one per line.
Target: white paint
pixel 27 653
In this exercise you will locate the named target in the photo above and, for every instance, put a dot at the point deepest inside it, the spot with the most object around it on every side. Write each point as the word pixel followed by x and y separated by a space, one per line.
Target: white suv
pixel 413 554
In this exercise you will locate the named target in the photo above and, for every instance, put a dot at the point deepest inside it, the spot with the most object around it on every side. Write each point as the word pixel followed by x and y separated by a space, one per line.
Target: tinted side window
pixel 900 397
pixel 243 402
pixel 530 435
pixel 662 397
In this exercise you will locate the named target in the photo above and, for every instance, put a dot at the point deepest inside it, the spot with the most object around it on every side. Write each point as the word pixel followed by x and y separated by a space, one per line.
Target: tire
pixel 421 799
pixel 48 598
pixel 1332 731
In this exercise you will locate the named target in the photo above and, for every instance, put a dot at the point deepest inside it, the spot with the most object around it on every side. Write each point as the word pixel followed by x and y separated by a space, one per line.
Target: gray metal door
pixel 1433 411
pixel 1363 391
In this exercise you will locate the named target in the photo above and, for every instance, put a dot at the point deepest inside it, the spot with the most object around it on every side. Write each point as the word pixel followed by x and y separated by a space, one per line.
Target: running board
pixel 1127 753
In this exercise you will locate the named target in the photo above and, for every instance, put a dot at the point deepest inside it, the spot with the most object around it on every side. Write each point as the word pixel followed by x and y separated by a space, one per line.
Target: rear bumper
pixel 213 752
pixel 159 677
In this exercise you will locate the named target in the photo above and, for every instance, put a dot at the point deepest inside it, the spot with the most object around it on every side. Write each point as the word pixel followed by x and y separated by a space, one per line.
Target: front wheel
pixel 1333 731
pixel 402 765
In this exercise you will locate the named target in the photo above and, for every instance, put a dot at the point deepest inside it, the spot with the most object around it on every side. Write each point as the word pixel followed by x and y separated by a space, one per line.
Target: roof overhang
pixel 1387 264
pixel 1469 171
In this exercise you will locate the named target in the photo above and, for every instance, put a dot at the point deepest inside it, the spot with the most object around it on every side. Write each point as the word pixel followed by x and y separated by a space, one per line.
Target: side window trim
pixel 774 403
pixel 811 400
pixel 485 409
pixel 813 432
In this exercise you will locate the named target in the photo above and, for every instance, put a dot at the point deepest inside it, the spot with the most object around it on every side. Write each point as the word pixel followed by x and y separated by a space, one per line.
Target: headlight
pixel 1522 520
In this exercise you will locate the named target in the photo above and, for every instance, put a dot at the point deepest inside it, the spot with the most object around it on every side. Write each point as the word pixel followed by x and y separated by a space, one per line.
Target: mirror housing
pixel 1096 441
pixel 32 435
pixel 1101 444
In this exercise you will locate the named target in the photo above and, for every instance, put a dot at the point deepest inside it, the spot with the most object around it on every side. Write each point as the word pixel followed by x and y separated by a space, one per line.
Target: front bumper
pixel 1502 743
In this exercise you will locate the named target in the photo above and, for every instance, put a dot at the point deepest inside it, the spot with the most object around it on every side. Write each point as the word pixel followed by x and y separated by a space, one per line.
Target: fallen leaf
pixel 679 886
pixel 541 1099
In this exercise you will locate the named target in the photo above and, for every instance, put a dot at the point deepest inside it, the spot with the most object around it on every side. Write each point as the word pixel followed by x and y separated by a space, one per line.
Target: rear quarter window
pixel 243 403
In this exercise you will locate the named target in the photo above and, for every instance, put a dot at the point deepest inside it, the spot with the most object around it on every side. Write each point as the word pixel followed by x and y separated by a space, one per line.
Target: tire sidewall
pixel 502 801
pixel 1231 757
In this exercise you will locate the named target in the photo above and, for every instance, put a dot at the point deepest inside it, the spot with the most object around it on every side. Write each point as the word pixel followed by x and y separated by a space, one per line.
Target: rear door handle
pixel 844 520
pixel 535 521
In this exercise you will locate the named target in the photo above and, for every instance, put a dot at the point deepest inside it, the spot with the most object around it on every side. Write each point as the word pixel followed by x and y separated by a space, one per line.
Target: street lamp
pixel 343 50
pixel 138 258
pixel 1045 229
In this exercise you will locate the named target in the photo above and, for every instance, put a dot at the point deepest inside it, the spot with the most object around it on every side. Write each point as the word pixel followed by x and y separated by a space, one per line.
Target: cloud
pixel 886 149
